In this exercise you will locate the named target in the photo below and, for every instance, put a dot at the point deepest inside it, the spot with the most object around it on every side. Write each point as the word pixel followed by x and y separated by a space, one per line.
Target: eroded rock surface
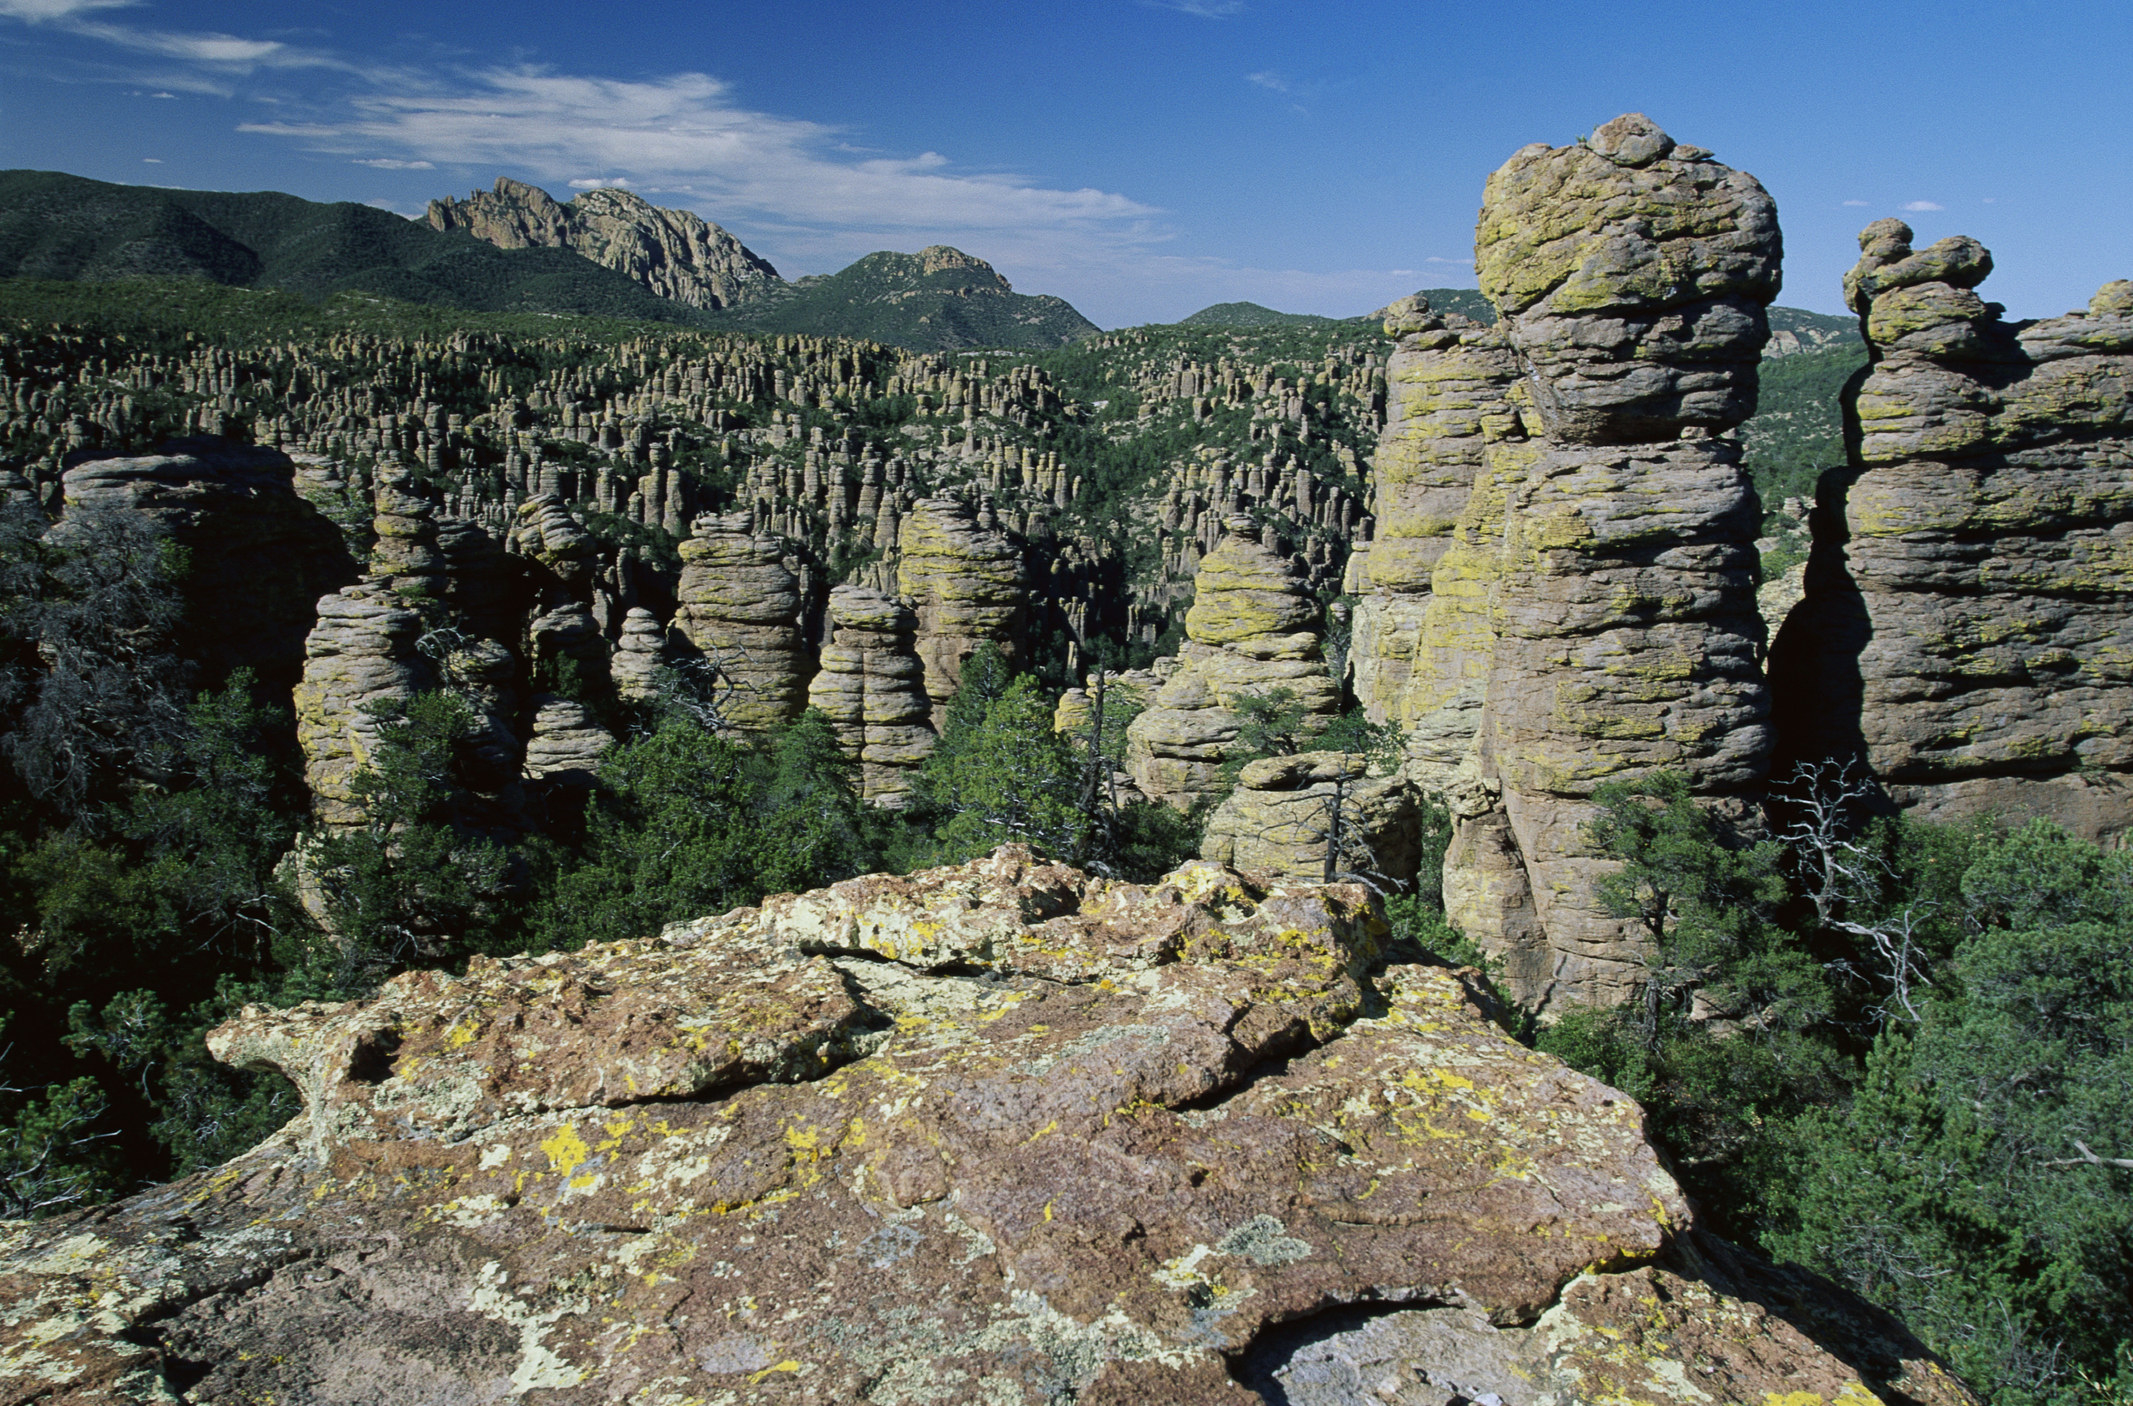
pixel 996 1133
pixel 1305 816
pixel 740 605
pixel 965 582
pixel 1967 628
pixel 360 653
pixel 1631 274
pixel 872 688
pixel 1253 627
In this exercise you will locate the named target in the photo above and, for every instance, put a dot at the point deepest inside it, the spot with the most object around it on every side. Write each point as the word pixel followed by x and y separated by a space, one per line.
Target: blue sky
pixel 1141 158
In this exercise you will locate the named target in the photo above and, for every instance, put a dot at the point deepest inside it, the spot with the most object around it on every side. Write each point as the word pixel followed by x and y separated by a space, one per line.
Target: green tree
pixel 1007 779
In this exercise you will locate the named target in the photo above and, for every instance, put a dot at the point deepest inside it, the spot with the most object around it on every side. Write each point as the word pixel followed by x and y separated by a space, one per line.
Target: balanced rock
pixel 1967 627
pixel 674 253
pixel 566 744
pixel 1631 275
pixel 639 655
pixel 740 606
pixel 998 1133
pixel 872 689
pixel 965 582
pixel 360 652
pixel 549 535
pixel 1252 628
pixel 1317 816
pixel 259 556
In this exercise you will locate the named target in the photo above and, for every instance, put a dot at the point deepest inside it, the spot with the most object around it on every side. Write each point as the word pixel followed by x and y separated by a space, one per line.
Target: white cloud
pixel 387 163
pixel 601 183
pixel 1917 206
pixel 43 11
pixel 153 160
pixel 1205 9
pixel 1270 80
pixel 1855 202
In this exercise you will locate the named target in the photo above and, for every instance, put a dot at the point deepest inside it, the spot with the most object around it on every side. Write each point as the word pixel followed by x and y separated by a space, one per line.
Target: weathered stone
pixel 1317 816
pixel 674 253
pixel 1968 620
pixel 639 655
pixel 740 605
pixel 1622 636
pixel 566 744
pixel 872 689
pixel 361 652
pixel 258 556
pixel 1252 628
pixel 965 583
pixel 550 536
pixel 1000 1133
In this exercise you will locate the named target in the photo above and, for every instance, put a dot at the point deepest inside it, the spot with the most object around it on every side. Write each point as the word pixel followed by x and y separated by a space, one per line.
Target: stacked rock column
pixel 1967 630
pixel 1631 275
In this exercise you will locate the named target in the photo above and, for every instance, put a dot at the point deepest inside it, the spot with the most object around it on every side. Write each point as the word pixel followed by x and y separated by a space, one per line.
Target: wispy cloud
pixel 1270 80
pixel 1857 202
pixel 47 11
pixel 1205 9
pixel 1920 206
pixel 601 183
pixel 389 163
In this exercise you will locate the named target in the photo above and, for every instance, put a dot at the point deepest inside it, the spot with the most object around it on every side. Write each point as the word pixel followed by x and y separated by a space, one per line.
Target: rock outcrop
pixel 1253 627
pixel 965 581
pixel 1631 275
pixel 740 606
pixel 360 652
pixel 566 744
pixel 998 1133
pixel 1446 385
pixel 1317 816
pixel 639 655
pixel 1967 628
pixel 258 555
pixel 674 253
pixel 872 688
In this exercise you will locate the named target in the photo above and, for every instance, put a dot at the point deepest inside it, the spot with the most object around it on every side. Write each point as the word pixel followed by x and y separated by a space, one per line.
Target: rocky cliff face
pixel 997 1133
pixel 872 688
pixel 1631 274
pixel 674 253
pixel 1253 627
pixel 1969 612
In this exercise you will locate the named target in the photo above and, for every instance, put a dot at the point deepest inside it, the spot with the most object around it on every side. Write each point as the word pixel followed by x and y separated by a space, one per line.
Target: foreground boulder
pixel 996 1133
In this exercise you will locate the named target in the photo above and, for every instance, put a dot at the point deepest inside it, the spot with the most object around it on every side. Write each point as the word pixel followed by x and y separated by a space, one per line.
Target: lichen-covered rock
pixel 1253 627
pixel 1000 1133
pixel 360 652
pixel 965 583
pixel 1967 625
pixel 566 743
pixel 258 555
pixel 1446 384
pixel 674 253
pixel 740 605
pixel 1125 691
pixel 872 689
pixel 1631 274
pixel 551 537
pixel 1315 814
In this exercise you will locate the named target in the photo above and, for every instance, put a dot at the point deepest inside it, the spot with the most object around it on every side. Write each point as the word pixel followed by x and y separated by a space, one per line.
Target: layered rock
pixel 965 582
pixel 640 653
pixel 1967 627
pixel 999 1133
pixel 1632 276
pixel 258 555
pixel 1253 627
pixel 1446 384
pixel 1317 816
pixel 741 606
pixel 566 743
pixel 871 687
pixel 361 652
pixel 674 253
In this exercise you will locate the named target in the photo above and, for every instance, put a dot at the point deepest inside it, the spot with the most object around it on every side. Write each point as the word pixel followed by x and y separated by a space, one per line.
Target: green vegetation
pixel 936 300
pixel 1798 429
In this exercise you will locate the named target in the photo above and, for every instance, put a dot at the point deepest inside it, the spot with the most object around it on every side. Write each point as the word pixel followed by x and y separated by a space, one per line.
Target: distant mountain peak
pixel 674 253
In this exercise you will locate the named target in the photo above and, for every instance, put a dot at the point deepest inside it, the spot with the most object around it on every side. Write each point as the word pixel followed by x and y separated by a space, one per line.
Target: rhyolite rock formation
pixel 999 1133
pixel 674 253
pixel 258 556
pixel 1253 627
pixel 360 653
pixel 1631 275
pixel 740 606
pixel 1967 628
pixel 872 688
pixel 640 653
pixel 965 581
pixel 1317 816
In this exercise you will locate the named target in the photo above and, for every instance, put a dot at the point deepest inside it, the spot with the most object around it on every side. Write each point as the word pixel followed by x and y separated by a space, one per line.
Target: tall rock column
pixel 360 651
pixel 1967 631
pixel 966 585
pixel 872 689
pixel 1631 275
pixel 741 604
pixel 1253 627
